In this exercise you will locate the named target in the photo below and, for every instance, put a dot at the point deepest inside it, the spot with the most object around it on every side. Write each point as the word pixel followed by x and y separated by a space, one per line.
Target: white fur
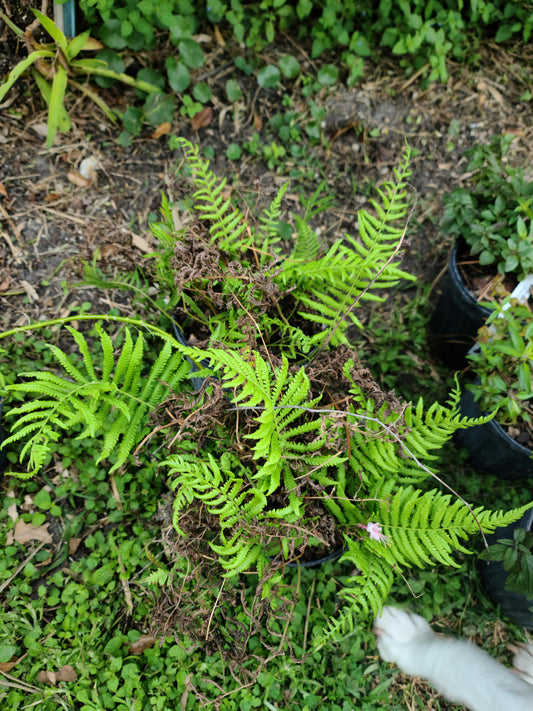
pixel 459 670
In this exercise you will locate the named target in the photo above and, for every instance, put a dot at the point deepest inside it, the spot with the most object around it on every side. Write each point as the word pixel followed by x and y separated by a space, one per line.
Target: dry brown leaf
pixel 218 37
pixel 51 197
pixel 30 291
pixel 6 666
pixel 145 641
pixel 77 178
pixel 202 119
pixel 25 532
pixel 4 284
pixel 12 508
pixel 3 190
pixel 92 43
pixel 73 545
pixel 162 129
pixel 66 673
pixel 142 244
pixel 258 124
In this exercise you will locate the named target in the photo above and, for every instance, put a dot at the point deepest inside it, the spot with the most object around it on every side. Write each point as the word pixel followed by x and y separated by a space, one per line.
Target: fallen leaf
pixel 218 36
pixel 258 124
pixel 66 673
pixel 202 119
pixel 162 129
pixel 51 197
pixel 77 178
pixel 6 666
pixel 4 284
pixel 142 244
pixel 12 508
pixel 92 43
pixel 25 532
pixel 3 190
pixel 73 545
pixel 145 641
pixel 30 291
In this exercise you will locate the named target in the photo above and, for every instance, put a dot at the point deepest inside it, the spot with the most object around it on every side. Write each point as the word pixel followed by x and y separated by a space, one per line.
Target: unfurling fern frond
pixel 109 399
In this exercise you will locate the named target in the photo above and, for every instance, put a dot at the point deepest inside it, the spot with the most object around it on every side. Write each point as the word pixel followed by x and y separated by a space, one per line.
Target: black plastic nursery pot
pixel 457 317
pixel 514 606
pixel 492 450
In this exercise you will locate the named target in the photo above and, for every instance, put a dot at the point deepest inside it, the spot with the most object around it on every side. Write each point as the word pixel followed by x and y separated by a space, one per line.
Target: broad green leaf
pixel 21 67
pixel 57 96
pixel 52 29
pixel 132 120
pixel 233 90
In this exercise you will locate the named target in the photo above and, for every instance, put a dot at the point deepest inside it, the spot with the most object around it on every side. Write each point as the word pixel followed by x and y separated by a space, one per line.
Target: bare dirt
pixel 50 220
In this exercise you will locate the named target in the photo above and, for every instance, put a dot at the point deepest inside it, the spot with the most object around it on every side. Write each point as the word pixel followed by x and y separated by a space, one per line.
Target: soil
pixel 51 219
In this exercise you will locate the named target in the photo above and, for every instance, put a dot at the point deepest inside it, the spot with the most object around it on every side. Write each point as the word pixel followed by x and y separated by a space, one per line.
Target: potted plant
pixel 507 570
pixel 490 218
pixel 502 368
pixel 285 447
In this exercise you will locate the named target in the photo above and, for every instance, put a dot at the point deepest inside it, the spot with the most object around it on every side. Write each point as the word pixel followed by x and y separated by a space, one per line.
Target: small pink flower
pixel 375 533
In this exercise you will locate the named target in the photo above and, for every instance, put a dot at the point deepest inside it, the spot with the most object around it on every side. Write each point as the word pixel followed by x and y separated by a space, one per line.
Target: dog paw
pixel 523 660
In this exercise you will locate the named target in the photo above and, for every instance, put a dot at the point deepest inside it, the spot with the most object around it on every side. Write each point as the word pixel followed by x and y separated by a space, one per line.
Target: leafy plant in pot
pixel 491 221
pixel 502 367
pixel 287 444
pixel 507 570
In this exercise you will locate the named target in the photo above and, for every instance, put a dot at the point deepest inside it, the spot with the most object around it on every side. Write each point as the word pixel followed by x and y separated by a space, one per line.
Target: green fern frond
pixel 330 286
pixel 105 398
pixel 227 223
pixel 364 593
pixel 307 247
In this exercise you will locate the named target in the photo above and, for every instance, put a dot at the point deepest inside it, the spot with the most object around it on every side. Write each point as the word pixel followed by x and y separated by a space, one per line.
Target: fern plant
pixel 284 445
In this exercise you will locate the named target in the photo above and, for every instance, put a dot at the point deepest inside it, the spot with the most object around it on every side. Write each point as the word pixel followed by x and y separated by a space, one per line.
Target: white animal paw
pixel 523 660
pixel 399 633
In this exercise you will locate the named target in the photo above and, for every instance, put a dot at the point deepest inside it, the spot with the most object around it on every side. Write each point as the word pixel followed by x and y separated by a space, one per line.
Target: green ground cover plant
pixel 278 469
pixel 493 213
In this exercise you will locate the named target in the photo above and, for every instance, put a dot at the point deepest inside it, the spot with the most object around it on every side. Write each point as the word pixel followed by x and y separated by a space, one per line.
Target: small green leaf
pixel 179 77
pixel 233 90
pixel 159 108
pixel 113 62
pixel 132 120
pixel 110 34
pixel 77 44
pixel 202 92
pixel 289 65
pixel 7 652
pixel 233 151
pixel 191 53
pixel 268 77
pixel 328 75
pixel 102 575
